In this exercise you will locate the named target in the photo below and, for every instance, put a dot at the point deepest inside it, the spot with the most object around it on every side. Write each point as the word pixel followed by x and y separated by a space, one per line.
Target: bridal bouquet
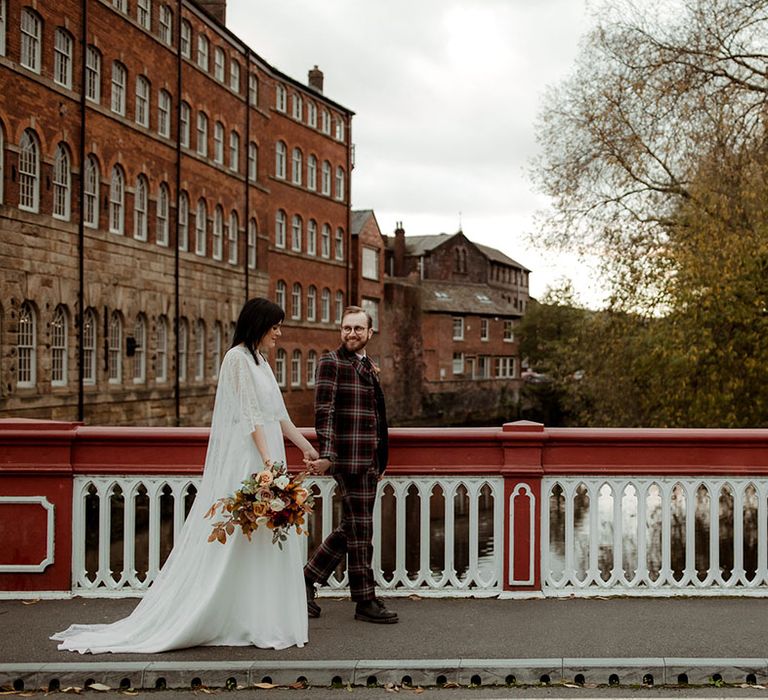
pixel 272 498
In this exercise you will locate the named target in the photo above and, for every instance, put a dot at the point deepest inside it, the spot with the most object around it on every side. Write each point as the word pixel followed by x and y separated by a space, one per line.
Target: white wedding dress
pixel 208 594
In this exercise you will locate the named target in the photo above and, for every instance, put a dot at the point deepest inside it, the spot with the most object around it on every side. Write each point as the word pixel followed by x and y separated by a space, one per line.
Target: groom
pixel 351 426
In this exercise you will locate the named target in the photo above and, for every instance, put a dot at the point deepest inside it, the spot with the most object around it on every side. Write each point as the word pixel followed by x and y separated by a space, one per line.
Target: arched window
pixel 312 114
pixel 200 350
pixel 62 187
pixel 325 305
pixel 253 90
pixel 183 348
pixel 311 367
pixel 218 232
pixel 140 350
pixel 340 183
pixel 201 227
pixel 143 97
pixel 31 36
pixel 186 39
pixel 312 173
pixel 296 368
pixel 183 242
pixel 26 346
pixel 296 233
pixel 202 134
pixel 140 206
pixel 59 347
pixel 90 328
pixel 218 142
pixel 29 172
pixel 166 25
pixel 234 151
pixel 164 103
pixel 93 74
pixel 234 75
pixel 234 227
pixel 325 121
pixel 3 22
pixel 184 119
pixel 280 229
pixel 218 64
pixel 312 237
pixel 326 179
pixel 161 363
pixel 296 301
pixel 162 234
pixel 296 166
pixel 119 83
pixel 280 156
pixel 144 13
pixel 252 252
pixel 117 201
pixel 280 98
pixel 280 293
pixel 298 106
pixel 218 339
pixel 280 367
pixel 253 162
pixel 91 192
pixel 325 241
pixel 312 303
pixel 339 305
pixel 115 344
pixel 62 58
pixel 339 244
pixel 202 52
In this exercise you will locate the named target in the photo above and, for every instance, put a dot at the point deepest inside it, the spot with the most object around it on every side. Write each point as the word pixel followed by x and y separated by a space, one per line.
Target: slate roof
pixel 357 220
pixel 479 299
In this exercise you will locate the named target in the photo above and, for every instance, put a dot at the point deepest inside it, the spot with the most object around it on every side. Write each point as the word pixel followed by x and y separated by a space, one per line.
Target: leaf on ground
pixel 416 690
pixel 72 689
pixel 451 684
pixel 100 687
pixel 298 685
pixel 265 686
pixel 571 685
pixel 33 601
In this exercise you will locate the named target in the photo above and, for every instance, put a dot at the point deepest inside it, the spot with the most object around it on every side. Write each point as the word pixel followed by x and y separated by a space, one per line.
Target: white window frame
pixel 183 242
pixel 311 367
pixel 31 37
pixel 200 350
pixel 144 13
pixel 62 185
pixel 339 129
pixel 119 80
pixel 325 179
pixel 218 143
pixel 181 369
pixel 162 233
pixel 143 100
pixel 202 134
pixel 312 303
pixel 458 363
pixel 29 172
pixel 202 51
pixel 509 331
pixel 339 306
pixel 280 360
pixel 339 244
pixel 3 22
pixel 370 263
pixel 280 225
pixel 185 116
pixel 59 341
pixel 296 368
pixel 325 121
pixel 485 329
pixel 62 69
pixel 233 237
pixel 218 339
pixel 252 251
pixel 296 233
pixel 218 233
pixel 186 39
pixel 296 164
pixel 280 158
pixel 325 242
pixel 91 192
pixel 297 106
pixel 165 23
pixel 253 89
pixel 296 294
pixel 90 332
pixel 325 305
pixel 164 104
pixel 140 351
pixel 115 349
pixel 161 344
pixel 312 114
pixel 281 98
pixel 218 64
pixel 201 227
pixel 281 294
pixel 234 151
pixel 26 347
pixel 312 173
pixel 117 201
pixel 312 237
pixel 234 76
pixel 140 209
pixel 340 180
pixel 92 74
pixel 253 161
pixel 458 328
pixel 371 306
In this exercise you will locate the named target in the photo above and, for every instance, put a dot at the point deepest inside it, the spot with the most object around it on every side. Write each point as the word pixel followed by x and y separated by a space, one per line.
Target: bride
pixel 240 593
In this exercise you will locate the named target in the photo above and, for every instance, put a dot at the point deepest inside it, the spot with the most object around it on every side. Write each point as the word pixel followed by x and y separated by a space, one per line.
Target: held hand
pixel 319 466
pixel 310 455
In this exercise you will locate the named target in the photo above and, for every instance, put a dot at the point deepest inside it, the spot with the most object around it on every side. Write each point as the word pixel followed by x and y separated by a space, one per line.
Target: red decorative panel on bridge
pixel 522 534
pixel 26 534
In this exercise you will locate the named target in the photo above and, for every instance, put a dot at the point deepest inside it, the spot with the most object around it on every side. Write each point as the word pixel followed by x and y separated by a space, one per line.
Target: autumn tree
pixel 654 156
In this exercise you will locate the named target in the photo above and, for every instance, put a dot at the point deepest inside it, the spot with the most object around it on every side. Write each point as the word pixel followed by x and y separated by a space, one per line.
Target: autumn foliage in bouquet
pixel 271 498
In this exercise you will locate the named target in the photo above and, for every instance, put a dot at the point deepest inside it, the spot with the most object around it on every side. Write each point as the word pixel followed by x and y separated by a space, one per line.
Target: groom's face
pixel 355 332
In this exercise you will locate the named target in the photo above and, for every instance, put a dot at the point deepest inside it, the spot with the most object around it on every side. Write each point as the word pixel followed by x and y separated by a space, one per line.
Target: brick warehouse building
pixel 451 308
pixel 159 177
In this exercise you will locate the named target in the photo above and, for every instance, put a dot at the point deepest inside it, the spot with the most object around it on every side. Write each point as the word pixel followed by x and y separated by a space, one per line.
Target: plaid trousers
pixel 353 537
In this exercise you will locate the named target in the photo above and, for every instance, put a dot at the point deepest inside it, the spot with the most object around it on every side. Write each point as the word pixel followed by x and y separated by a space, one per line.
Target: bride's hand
pixel 310 455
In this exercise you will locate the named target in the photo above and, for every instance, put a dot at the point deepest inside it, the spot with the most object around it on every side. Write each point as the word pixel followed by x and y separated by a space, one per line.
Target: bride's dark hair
pixel 256 319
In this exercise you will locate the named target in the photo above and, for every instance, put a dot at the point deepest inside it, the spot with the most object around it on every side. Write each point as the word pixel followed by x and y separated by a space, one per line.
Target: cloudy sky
pixel 445 94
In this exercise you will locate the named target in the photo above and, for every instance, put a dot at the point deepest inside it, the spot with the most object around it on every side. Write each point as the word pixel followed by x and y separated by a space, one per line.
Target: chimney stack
pixel 216 9
pixel 399 259
pixel 315 80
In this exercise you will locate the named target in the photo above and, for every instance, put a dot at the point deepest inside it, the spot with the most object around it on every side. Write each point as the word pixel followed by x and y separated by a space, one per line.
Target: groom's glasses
pixel 357 330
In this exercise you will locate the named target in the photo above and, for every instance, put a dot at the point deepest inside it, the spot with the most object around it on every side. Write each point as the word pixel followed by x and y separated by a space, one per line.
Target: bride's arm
pixel 261 444
pixel 292 433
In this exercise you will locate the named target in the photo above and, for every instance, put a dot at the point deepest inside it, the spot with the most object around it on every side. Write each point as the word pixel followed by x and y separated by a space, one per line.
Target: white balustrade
pixel 107 549
pixel 654 536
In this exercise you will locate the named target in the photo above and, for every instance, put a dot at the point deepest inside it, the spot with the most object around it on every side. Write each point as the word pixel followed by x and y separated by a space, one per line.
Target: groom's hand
pixel 319 466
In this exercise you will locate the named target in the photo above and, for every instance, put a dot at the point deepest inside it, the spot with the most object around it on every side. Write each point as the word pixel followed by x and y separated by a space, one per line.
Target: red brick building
pixel 155 172
pixel 451 310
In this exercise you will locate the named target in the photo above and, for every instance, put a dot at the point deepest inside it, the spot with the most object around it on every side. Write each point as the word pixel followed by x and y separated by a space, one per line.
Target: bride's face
pixel 270 339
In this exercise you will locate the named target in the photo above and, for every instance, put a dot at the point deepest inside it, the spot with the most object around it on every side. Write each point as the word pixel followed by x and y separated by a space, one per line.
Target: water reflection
pixel 594 508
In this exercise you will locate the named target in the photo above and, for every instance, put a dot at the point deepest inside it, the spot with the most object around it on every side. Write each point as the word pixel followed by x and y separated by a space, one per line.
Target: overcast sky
pixel 445 94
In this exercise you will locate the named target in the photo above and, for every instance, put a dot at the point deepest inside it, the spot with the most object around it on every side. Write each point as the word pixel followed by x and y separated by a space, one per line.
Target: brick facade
pixel 138 254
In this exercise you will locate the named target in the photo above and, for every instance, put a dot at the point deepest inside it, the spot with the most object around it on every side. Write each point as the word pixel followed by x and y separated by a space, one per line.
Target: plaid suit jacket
pixel 350 414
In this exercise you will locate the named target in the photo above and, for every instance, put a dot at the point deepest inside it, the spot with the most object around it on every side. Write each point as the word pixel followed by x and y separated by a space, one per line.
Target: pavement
pixel 464 641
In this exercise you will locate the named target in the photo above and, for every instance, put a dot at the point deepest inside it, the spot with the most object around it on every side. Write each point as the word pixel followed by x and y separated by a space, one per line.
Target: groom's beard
pixel 355 344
